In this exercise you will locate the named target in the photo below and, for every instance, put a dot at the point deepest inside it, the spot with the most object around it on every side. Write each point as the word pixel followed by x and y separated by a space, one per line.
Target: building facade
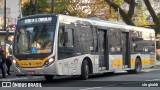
pixel 8 15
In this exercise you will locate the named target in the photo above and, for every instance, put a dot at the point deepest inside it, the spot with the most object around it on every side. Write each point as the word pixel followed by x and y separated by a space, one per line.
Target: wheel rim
pixel 138 67
pixel 87 70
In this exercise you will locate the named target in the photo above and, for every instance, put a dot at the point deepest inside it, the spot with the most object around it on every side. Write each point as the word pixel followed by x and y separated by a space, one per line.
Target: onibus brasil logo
pixel 19 84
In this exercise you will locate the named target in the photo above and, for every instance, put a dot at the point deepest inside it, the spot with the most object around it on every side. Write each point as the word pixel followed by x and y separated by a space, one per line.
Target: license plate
pixel 31 72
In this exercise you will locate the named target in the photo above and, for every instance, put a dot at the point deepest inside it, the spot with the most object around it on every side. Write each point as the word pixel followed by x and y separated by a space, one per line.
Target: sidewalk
pixel 13 77
pixel 8 76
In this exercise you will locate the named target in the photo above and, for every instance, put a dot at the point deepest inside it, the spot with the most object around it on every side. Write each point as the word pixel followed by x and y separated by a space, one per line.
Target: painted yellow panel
pixel 120 62
pixel 147 61
pixel 133 62
pixel 153 61
pixel 31 63
pixel 143 61
pixel 114 64
pixel 117 63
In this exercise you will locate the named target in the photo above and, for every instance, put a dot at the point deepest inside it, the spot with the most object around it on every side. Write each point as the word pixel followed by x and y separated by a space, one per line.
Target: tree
pixel 60 6
pixel 154 16
pixel 91 8
pixel 140 17
pixel 42 7
pixel 126 16
pixel 80 8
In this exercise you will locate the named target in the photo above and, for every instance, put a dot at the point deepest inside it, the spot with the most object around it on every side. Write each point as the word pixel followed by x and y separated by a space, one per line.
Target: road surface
pixel 146 80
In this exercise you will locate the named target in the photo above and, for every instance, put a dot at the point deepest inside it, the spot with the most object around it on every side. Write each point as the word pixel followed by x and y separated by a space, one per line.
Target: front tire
pixel 49 77
pixel 84 70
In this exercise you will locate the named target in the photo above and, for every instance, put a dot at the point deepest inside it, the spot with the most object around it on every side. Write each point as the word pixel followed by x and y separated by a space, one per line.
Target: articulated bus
pixel 54 45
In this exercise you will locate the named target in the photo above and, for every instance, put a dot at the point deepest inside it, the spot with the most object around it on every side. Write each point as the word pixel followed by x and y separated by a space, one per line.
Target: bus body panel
pixel 72 66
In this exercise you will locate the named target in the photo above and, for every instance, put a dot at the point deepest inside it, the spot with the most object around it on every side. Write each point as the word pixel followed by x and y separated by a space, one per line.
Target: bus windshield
pixel 34 39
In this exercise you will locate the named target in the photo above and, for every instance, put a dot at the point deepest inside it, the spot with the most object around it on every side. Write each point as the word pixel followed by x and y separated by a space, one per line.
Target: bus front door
pixel 125 50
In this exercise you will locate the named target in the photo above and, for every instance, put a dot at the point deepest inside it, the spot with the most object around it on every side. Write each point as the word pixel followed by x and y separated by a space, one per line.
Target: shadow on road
pixel 75 81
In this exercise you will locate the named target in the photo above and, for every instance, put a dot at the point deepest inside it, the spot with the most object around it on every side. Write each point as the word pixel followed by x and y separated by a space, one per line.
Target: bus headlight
pixel 15 63
pixel 49 62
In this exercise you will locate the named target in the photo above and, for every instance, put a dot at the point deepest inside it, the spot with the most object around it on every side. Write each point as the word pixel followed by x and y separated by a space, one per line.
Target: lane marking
pixel 148 70
pixel 153 80
pixel 91 88
pixel 108 86
pixel 118 84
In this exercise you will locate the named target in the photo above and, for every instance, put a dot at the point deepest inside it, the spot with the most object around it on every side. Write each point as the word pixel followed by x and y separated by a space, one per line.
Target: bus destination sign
pixel 37 20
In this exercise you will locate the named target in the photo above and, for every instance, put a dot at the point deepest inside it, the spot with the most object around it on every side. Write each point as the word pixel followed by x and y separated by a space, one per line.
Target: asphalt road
pixel 147 80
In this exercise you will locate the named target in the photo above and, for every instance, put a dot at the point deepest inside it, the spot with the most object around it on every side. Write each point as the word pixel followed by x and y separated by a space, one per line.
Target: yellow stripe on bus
pixel 145 61
pixel 31 63
pixel 117 62
pixel 133 62
pixel 148 61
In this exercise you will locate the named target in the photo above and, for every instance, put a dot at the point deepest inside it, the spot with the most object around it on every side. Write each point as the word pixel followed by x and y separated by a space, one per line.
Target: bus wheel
pixel 138 67
pixel 48 77
pixel 84 70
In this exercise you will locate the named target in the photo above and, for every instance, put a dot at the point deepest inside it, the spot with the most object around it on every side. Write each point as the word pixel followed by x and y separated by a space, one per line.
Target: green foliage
pixel 25 9
pixel 119 2
pixel 67 7
pixel 42 7
pixel 157 28
pixel 158 57
pixel 158 17
pixel 60 6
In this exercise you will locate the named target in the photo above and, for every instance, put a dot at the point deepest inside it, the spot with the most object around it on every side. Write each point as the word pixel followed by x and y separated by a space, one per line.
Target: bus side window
pixel 65 38
pixel 65 43
pixel 114 42
pixel 68 37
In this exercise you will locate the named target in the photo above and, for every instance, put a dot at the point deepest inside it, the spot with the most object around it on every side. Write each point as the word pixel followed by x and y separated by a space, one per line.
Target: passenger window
pixel 65 38
pixel 114 42
pixel 65 43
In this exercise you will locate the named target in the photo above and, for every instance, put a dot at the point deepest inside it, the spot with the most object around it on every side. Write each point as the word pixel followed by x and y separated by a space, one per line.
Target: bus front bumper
pixel 50 70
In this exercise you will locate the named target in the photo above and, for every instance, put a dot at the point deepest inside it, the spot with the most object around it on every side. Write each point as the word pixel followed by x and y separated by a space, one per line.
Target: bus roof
pixel 97 22
pixel 38 15
pixel 104 23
